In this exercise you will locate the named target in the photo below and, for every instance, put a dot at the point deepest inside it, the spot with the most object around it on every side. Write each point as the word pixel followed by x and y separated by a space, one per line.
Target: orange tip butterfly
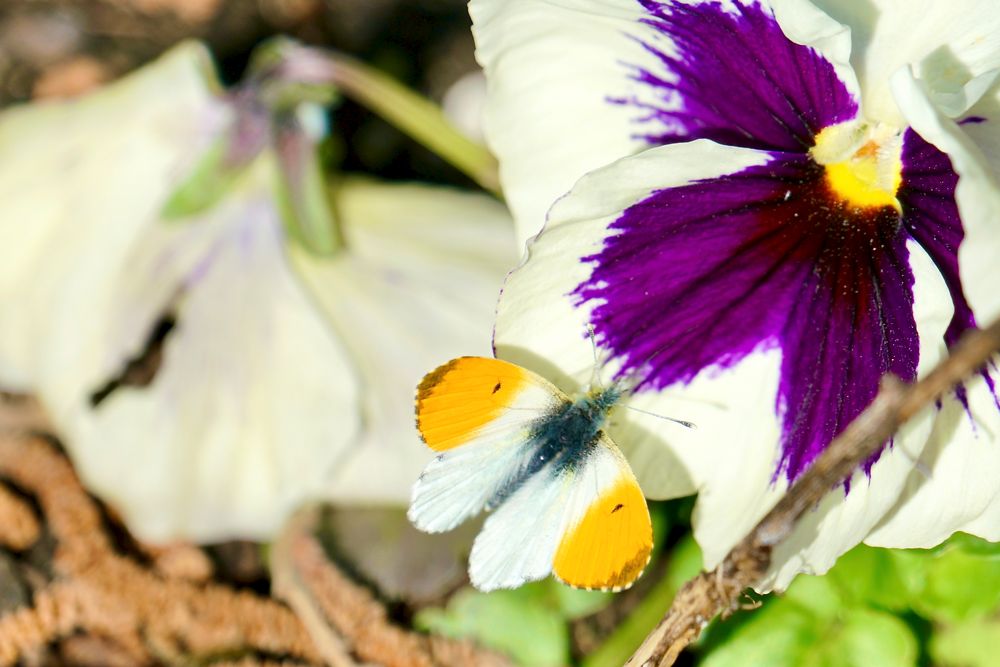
pixel 563 497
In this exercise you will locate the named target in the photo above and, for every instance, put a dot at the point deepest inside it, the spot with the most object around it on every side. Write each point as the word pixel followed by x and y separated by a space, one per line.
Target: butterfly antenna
pixel 593 347
pixel 686 424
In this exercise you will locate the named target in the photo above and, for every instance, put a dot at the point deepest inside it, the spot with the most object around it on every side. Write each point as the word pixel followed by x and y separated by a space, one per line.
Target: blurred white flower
pixel 284 375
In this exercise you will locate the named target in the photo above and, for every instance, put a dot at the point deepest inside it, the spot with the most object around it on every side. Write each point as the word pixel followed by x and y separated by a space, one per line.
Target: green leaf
pixel 521 623
pixel 779 634
pixel 787 634
pixel 819 595
pixel 869 575
pixel 870 637
pixel 971 644
pixel 958 585
pixel 977 546
pixel 573 603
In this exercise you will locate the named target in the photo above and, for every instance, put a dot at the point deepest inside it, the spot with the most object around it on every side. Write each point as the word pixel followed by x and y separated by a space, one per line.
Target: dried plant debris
pixel 346 621
pixel 143 613
pixel 75 589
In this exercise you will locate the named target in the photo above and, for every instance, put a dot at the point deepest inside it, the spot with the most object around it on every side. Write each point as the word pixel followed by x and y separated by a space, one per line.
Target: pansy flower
pixel 770 206
pixel 284 374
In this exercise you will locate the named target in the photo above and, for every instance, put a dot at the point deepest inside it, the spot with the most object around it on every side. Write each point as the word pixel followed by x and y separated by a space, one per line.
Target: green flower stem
pixel 415 115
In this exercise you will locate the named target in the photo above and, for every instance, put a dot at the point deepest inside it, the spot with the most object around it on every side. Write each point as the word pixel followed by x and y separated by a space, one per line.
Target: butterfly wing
pixel 588 524
pixel 478 413
pixel 607 538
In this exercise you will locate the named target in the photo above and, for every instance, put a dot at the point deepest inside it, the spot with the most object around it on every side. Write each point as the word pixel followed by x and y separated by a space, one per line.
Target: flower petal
pixel 955 486
pixel 65 235
pixel 591 82
pixel 949 44
pixel 550 69
pixel 255 400
pixel 977 193
pixel 416 287
pixel 728 346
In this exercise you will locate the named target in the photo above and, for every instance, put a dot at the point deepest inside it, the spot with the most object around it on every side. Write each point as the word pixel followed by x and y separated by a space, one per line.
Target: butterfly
pixel 563 498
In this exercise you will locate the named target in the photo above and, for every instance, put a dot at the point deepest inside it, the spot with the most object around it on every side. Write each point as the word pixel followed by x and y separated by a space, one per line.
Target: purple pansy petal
pixel 701 275
pixel 773 256
pixel 729 73
pixel 930 215
pixel 730 457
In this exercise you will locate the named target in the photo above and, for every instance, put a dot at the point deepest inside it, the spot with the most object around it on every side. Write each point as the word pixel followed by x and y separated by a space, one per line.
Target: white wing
pixel 491 456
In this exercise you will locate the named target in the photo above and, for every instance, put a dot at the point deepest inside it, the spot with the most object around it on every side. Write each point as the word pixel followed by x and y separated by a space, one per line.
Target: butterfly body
pixel 563 497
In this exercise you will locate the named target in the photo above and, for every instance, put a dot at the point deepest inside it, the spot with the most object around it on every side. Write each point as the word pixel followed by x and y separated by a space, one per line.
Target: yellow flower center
pixel 863 164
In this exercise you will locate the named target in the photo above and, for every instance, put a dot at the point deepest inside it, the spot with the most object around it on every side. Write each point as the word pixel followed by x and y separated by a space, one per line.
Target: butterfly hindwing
pixel 479 414
pixel 587 523
pixel 608 537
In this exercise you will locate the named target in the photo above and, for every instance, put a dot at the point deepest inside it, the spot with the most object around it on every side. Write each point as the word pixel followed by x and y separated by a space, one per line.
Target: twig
pixel 345 620
pixel 718 591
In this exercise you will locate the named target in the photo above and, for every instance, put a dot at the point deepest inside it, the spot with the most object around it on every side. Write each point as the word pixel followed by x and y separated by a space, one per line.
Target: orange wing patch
pixel 457 399
pixel 610 546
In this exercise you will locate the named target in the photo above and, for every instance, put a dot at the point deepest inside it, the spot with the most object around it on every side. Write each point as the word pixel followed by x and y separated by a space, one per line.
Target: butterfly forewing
pixel 464 397
pixel 479 414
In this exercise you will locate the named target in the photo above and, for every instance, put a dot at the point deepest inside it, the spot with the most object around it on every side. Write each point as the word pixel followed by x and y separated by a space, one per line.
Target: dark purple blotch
pixel 735 79
pixel 697 277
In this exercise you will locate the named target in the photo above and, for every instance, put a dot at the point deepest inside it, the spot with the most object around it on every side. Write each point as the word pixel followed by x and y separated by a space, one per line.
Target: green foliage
pixel 975 643
pixel 529 623
pixel 875 608
pixel 883 607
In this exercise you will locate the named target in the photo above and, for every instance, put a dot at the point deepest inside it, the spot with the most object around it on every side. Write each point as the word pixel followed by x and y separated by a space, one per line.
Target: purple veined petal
pixel 565 83
pixel 769 257
pixel 731 457
pixel 728 72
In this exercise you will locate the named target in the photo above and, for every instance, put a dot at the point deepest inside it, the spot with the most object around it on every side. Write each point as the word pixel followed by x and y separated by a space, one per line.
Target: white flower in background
pixel 273 387
pixel 766 218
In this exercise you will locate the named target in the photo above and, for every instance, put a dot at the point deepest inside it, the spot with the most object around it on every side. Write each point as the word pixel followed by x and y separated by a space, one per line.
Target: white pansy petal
pixel 254 403
pixel 977 194
pixel 949 43
pixel 983 121
pixel 91 174
pixel 574 85
pixel 551 69
pixel 416 286
pixel 956 484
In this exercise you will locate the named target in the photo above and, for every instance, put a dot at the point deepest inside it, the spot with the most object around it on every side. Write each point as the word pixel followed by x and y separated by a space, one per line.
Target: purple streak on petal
pixel 734 77
pixel 930 215
pixel 699 276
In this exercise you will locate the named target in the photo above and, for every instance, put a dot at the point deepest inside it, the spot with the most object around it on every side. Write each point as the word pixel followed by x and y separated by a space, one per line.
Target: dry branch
pixel 345 619
pixel 718 591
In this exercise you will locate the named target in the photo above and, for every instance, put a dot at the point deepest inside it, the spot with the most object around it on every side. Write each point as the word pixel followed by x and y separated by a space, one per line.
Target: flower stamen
pixel 862 163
